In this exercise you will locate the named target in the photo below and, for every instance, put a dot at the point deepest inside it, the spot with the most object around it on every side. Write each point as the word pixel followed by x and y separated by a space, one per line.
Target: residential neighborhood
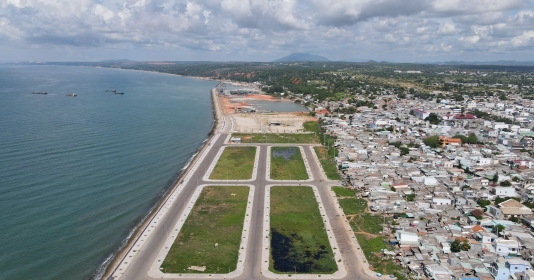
pixel 439 187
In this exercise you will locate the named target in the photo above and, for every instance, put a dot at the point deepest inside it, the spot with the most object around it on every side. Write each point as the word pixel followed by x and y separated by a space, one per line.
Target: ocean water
pixel 78 173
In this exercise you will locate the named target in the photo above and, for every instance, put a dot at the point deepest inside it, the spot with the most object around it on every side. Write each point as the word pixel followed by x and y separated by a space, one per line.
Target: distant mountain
pixel 302 57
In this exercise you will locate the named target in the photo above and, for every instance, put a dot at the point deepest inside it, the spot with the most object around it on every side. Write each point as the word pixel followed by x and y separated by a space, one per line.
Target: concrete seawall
pixel 121 254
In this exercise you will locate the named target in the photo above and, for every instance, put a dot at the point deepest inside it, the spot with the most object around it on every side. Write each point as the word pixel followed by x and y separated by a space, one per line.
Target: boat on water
pixel 111 90
pixel 40 92
pixel 72 94
pixel 118 92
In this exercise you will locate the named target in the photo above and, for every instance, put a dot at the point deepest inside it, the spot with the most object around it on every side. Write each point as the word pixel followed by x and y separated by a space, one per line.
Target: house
pixel 517 265
pixel 504 191
pixel 441 201
pixel 499 271
pixel 407 238
pixel 449 141
pixel 506 247
pixel 511 207
pixel 421 113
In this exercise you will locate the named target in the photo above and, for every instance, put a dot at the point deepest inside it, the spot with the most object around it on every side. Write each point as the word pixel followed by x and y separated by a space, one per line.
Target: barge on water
pixel 40 92
pixel 72 94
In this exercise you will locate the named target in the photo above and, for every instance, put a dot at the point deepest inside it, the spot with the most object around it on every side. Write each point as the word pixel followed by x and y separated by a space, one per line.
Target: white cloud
pixel 438 28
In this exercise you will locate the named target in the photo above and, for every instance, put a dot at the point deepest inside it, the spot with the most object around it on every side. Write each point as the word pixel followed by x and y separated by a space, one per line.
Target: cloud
pixel 235 29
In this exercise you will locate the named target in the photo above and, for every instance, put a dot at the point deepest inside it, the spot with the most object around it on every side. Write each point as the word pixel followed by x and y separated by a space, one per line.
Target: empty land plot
pixel 327 161
pixel 276 138
pixel 287 164
pixel 310 126
pixel 211 235
pixel 235 163
pixel 344 192
pixel 298 238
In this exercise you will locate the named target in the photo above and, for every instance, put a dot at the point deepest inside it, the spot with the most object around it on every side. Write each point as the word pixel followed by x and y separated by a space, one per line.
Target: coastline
pixel 121 253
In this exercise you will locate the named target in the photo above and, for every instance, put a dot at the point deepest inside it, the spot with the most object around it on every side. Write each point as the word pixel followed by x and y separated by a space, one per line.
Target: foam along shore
pixel 111 264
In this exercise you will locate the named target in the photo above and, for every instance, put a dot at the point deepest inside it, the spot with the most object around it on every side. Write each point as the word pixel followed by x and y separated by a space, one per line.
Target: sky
pixel 264 30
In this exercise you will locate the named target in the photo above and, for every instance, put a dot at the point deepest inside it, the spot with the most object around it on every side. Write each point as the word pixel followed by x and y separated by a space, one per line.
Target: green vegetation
pixel 235 163
pixel 216 218
pixel 483 203
pixel 371 247
pixel 327 161
pixel 298 239
pixel 310 126
pixel 471 139
pixel 367 228
pixel 457 245
pixel 433 118
pixel 353 205
pixel 287 164
pixel 342 191
pixel 277 138
pixel 432 141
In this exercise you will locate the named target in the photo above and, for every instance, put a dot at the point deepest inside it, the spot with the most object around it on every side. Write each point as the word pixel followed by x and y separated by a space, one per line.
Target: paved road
pixel 142 260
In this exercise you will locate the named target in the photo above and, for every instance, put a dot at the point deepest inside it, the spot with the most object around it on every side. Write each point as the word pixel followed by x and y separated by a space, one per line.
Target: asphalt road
pixel 140 264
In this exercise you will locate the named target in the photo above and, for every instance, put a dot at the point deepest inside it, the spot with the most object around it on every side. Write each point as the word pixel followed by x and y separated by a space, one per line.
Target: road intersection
pixel 138 261
pixel 142 258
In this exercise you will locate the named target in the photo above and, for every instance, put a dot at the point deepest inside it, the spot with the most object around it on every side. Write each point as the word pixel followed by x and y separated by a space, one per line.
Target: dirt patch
pixel 261 97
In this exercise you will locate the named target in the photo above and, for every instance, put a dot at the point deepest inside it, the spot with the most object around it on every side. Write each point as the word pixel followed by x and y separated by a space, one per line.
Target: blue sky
pixel 263 30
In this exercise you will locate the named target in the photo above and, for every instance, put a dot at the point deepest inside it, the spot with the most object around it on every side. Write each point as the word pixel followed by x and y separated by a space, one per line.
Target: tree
pixel 432 141
pixel 472 139
pixel 495 177
pixel 410 197
pixel 498 228
pixel 483 203
pixel 465 245
pixel 515 179
pixel 457 245
pixel 505 183
pixel 433 118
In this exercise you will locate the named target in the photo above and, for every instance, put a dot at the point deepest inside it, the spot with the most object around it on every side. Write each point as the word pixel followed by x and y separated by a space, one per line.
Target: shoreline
pixel 130 240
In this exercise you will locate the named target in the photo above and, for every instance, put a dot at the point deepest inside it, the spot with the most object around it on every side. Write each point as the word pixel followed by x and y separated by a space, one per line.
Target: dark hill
pixel 302 57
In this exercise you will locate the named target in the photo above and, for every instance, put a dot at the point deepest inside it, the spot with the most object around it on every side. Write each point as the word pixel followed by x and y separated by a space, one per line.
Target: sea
pixel 78 174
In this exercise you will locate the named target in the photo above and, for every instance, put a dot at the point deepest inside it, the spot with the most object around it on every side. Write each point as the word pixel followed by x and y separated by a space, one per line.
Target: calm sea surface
pixel 77 173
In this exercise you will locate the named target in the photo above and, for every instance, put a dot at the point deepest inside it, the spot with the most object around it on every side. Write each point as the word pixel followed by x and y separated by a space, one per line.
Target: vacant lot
pixel 367 228
pixel 327 161
pixel 344 192
pixel 298 239
pixel 353 205
pixel 277 138
pixel 235 163
pixel 212 232
pixel 371 247
pixel 287 164
pixel 310 126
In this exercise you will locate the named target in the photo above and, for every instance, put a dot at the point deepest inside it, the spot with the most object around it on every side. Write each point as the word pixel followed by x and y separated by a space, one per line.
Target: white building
pixel 506 247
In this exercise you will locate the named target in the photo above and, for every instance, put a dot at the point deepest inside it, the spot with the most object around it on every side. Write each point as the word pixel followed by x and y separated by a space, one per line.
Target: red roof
pixel 465 116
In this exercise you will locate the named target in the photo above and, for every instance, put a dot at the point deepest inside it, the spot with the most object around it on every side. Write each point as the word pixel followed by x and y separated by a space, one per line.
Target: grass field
pixel 342 191
pixel 298 238
pixel 287 168
pixel 217 217
pixel 310 126
pixel 277 138
pixel 327 162
pixel 353 205
pixel 236 163
pixel 370 247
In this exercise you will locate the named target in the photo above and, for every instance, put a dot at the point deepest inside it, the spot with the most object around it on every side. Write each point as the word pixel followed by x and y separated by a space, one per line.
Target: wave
pixel 102 268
